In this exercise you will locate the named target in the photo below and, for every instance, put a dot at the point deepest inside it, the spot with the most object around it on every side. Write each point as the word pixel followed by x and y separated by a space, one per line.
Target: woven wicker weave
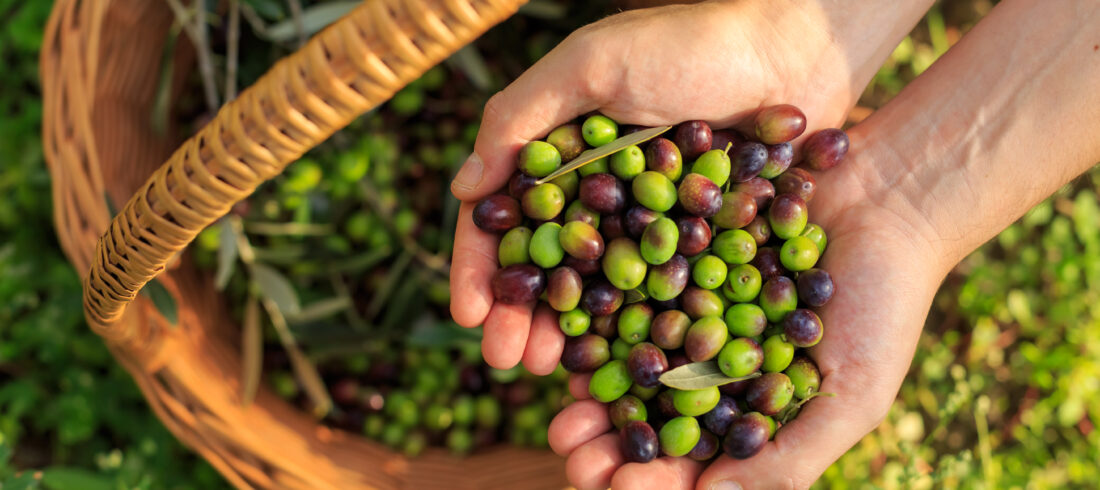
pixel 100 64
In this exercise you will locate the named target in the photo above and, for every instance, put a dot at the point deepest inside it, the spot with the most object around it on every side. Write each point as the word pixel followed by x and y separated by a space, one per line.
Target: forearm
pixel 1004 119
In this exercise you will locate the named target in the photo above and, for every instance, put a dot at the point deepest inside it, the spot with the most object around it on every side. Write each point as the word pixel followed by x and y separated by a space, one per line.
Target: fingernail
pixel 469 176
pixel 725 485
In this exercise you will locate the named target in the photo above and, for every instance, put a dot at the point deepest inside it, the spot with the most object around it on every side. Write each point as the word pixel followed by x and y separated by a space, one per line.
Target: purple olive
pixel 519 184
pixel 518 284
pixel 663 156
pixel 694 235
pixel 637 218
pixel 612 226
pixel 796 181
pixel 646 363
pixel 693 138
pixel 761 190
pixel 779 124
pixel 497 214
pixel 738 210
pixel 603 193
pixel 699 195
pixel 601 298
pixel 748 160
pixel 825 149
pixel 815 287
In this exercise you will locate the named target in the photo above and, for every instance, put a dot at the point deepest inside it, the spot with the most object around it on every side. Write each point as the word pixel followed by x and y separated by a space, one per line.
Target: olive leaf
pixel 635 295
pixel 252 350
pixel 313 19
pixel 699 375
pixel 594 154
pixel 321 309
pixel 227 254
pixel 276 287
pixel 162 300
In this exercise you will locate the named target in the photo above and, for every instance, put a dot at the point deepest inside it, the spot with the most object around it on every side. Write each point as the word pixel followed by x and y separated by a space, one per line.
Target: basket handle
pixel 352 66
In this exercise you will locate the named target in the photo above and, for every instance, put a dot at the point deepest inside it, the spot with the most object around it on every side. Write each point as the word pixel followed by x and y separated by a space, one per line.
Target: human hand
pixel 717 61
pixel 886 273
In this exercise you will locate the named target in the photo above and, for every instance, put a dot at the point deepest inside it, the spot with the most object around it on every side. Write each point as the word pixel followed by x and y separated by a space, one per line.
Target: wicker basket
pixel 99 67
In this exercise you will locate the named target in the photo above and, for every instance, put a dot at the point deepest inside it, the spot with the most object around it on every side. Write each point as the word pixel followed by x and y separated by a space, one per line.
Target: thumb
pixel 537 102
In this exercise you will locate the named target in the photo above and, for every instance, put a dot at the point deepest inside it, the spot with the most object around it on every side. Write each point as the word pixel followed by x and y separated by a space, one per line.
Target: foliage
pixel 65 406
pixel 1001 392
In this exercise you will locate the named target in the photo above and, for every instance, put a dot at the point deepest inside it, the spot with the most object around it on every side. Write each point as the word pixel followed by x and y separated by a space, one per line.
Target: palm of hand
pixel 620 67
pixel 885 283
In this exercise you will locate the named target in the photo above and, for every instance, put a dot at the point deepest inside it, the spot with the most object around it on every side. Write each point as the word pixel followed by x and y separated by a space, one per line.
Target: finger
pixel 537 102
pixel 578 424
pixel 662 473
pixel 472 266
pixel 578 386
pixel 823 431
pixel 592 465
pixel 506 330
pixel 545 343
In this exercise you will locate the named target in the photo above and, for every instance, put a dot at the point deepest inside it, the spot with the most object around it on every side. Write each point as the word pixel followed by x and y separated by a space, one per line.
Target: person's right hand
pixel 718 61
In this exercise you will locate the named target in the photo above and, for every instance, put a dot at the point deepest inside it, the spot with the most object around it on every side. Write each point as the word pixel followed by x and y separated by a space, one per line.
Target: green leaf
pixel 162 300
pixel 314 19
pixel 447 334
pixel 699 375
pixel 594 154
pixel 544 9
pixel 472 64
pixel 321 309
pixel 268 9
pixel 74 479
pixel 276 287
pixel 227 254
pixel 635 295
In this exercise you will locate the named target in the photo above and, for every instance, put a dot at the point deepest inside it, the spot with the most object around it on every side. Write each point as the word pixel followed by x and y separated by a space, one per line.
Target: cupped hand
pixel 886 272
pixel 715 61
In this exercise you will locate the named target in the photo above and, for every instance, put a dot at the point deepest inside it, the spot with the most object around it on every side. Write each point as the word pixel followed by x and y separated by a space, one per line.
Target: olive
pixel 568 141
pixel 514 246
pixel 654 191
pixel 779 124
pixel 623 264
pixel 738 209
pixel 585 353
pixel 599 130
pixel 539 159
pixel 603 193
pixel 646 363
pixel 581 240
pixel 544 202
pixel 825 149
pixel 705 339
pixel 563 289
pixel 628 162
pixel 693 138
pixel 518 284
pixel 669 329
pixel 497 214
pixel 662 155
pixel 659 241
pixel 700 196
pixel 610 381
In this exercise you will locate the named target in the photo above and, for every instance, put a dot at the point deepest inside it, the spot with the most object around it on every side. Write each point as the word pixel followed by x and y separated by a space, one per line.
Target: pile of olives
pixel 412 397
pixel 692 254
